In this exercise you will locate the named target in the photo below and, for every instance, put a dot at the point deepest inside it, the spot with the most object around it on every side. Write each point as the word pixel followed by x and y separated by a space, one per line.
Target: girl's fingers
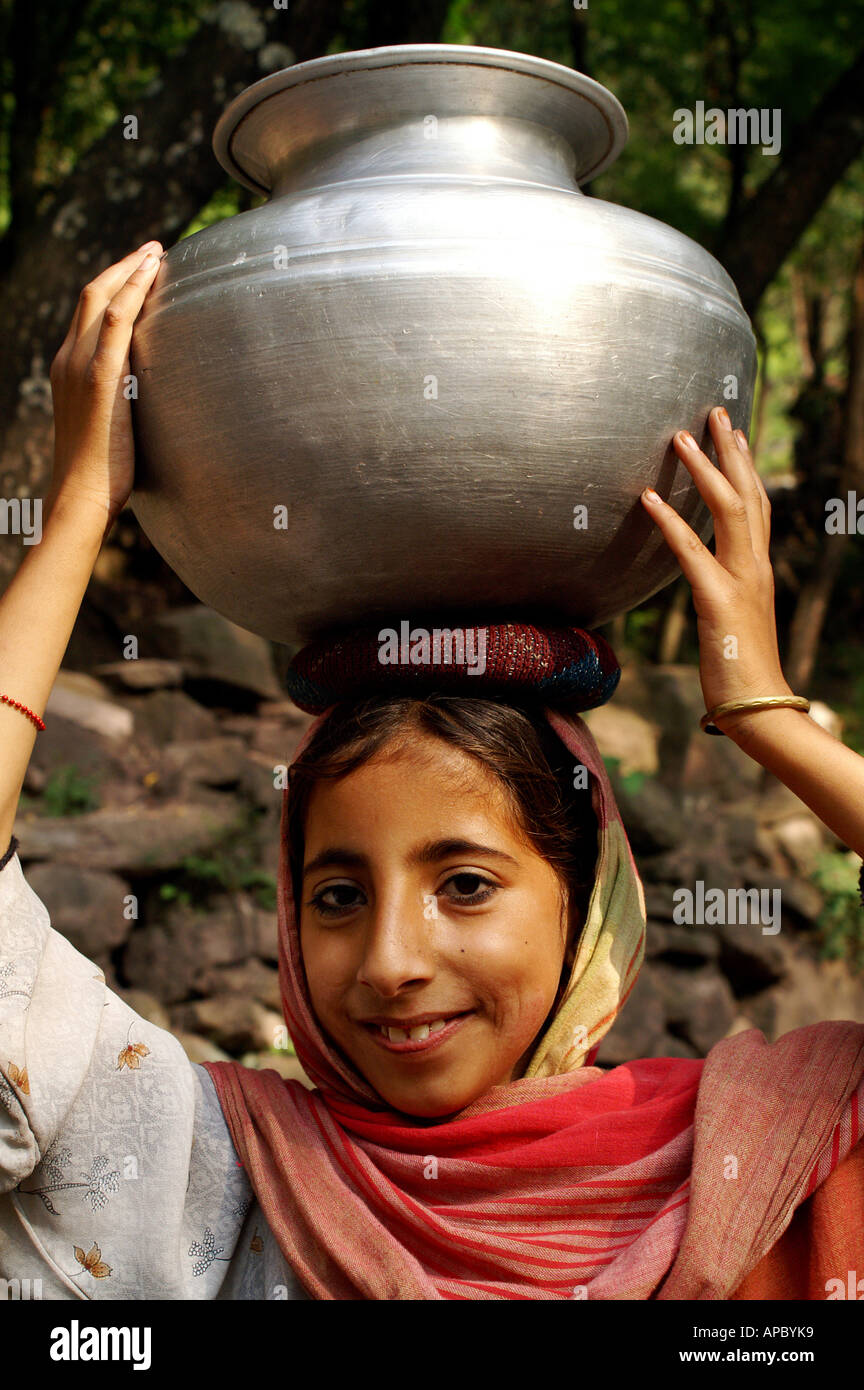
pixel 97 294
pixel 701 569
pixel 115 332
pixel 738 467
pixel 733 540
pixel 764 500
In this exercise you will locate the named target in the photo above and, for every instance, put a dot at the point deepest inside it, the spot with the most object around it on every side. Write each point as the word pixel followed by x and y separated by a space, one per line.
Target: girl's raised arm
pixel 92 479
pixel 733 594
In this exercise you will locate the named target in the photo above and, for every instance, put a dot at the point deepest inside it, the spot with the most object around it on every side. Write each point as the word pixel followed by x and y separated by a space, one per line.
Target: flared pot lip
pixel 397 55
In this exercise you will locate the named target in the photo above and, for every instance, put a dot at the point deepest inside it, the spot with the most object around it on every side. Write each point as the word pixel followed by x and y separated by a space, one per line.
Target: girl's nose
pixel 397 946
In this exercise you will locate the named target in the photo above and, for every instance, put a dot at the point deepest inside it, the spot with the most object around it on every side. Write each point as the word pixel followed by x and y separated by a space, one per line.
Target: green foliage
pixel 632 782
pixel 840 926
pixel 68 792
pixel 231 868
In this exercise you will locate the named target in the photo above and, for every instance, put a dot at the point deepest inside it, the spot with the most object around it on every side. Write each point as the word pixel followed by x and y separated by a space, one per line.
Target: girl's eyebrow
pixel 428 853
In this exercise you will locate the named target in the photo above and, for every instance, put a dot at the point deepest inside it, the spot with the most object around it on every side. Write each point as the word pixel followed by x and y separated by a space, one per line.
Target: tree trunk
pixel 815 597
pixel 814 158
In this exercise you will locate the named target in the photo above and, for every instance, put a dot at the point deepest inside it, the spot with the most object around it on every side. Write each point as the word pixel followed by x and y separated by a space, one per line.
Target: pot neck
pixel 447 147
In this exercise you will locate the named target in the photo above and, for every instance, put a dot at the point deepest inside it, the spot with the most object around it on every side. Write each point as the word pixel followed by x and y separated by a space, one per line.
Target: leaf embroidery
pixel 18 1076
pixel 131 1056
pixel 92 1261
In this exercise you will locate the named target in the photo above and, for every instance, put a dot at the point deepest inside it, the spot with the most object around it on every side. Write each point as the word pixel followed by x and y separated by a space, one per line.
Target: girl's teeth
pixel 418 1034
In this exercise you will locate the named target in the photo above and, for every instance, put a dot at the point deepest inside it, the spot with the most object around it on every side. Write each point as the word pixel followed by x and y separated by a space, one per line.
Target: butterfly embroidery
pixel 131 1056
pixel 92 1261
pixel 18 1076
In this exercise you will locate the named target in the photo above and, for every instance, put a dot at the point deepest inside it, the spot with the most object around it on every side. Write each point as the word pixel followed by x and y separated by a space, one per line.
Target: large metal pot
pixel 390 390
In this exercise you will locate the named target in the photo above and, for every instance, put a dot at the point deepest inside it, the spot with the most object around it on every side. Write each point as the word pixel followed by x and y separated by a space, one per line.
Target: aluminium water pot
pixel 429 375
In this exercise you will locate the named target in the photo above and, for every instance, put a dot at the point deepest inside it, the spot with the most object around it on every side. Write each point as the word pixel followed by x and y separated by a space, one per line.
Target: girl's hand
pixel 94 455
pixel 733 590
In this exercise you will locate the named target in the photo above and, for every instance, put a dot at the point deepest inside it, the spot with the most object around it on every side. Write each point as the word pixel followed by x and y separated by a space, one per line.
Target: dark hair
pixel 513 740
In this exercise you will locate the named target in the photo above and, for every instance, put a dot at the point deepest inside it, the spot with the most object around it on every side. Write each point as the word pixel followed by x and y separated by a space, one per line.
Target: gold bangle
pixel 763 702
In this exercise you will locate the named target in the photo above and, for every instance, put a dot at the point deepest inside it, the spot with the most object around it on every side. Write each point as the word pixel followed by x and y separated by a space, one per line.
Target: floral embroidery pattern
pixel 7 1095
pixel 5 992
pixel 98 1184
pixel 208 1251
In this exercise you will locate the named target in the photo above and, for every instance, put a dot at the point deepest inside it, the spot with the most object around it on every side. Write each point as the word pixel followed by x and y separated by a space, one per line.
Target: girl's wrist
pixel 761 728
pixel 87 509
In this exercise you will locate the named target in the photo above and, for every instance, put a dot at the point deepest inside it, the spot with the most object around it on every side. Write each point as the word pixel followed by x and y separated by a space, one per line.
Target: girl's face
pixel 421 902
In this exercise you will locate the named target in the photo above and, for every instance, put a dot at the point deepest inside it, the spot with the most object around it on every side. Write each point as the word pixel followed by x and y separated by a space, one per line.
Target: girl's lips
pixel 424 1045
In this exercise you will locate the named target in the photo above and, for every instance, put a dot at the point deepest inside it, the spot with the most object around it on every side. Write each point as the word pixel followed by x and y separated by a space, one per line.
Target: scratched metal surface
pixel 429 347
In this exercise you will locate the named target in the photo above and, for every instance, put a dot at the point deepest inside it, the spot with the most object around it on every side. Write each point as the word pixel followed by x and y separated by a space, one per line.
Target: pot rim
pixel 577 84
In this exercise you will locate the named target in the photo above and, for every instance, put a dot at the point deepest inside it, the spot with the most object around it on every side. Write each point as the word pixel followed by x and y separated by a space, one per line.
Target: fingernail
pixel 686 438
pixel 724 416
pixel 741 436
pixel 650 495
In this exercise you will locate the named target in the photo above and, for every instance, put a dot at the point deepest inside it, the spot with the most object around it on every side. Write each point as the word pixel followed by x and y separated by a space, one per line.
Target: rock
pixel 169 716
pixel 751 960
pixel 250 977
pixel 796 897
pixel 171 959
pixel 231 1021
pixel 212 649
pixel 828 718
pixel 142 673
pixel 146 1005
pixel 212 762
pixel 200 1049
pixel 264 927
pixel 699 1006
pixel 813 991
pixel 85 906
pixel 686 947
pixel 669 1046
pixel 740 835
pixel 63 743
pixel 81 701
pixel 135 839
pixel 652 816
pixel 639 1027
pixel 258 781
pixel 802 840
pixel 623 734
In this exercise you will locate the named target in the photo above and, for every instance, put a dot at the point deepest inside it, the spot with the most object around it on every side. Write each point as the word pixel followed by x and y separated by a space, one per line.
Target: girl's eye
pixel 330 908
pixel 467 882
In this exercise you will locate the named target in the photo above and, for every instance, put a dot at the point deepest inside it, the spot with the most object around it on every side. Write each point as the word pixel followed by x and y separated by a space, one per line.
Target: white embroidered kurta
pixel 118 1176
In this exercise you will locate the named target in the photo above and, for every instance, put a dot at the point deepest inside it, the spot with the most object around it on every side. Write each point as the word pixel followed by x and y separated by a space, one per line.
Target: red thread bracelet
pixel 16 704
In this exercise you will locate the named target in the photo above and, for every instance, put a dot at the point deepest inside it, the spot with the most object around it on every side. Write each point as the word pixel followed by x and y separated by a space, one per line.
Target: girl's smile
pixel 426 912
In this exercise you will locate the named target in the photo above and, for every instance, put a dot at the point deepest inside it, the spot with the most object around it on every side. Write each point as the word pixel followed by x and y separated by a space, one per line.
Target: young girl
pixel 459 926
